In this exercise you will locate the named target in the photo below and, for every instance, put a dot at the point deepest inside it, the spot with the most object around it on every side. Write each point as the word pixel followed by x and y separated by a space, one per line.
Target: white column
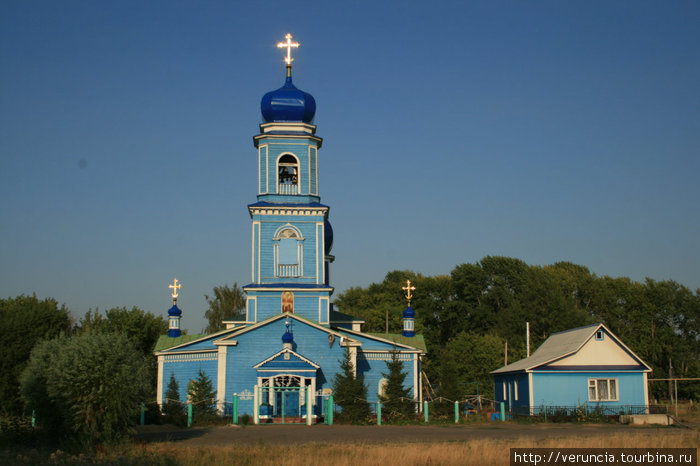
pixel 417 392
pixel 353 359
pixel 159 389
pixel 256 406
pixel 221 379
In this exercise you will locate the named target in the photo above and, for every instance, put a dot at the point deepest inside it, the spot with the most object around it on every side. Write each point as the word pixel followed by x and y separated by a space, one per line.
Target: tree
pixel 24 321
pixel 350 392
pixel 227 304
pixel 94 382
pixel 143 328
pixel 200 393
pixel 396 398
pixel 173 408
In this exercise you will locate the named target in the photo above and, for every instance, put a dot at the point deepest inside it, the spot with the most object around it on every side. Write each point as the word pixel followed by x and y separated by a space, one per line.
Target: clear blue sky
pixel 542 130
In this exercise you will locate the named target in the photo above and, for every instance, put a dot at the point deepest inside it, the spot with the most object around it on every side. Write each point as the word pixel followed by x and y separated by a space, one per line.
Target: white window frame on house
pixel 515 390
pixel 505 392
pixel 601 390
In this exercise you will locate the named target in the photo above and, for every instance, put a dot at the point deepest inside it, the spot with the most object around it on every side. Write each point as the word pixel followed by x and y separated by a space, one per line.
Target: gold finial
pixel 175 286
pixel 288 45
pixel 408 288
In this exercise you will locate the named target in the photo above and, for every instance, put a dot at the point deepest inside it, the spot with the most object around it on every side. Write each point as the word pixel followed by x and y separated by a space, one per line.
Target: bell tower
pixel 291 236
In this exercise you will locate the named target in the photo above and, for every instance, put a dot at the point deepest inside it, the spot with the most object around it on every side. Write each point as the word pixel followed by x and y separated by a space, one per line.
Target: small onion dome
pixel 288 104
pixel 409 313
pixel 328 236
pixel 174 311
pixel 287 337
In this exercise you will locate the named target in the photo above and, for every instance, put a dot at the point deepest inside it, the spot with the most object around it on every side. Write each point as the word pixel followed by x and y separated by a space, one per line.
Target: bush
pixel 89 387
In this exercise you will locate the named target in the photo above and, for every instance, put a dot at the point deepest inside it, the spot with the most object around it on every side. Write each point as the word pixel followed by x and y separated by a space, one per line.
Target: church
pixel 280 360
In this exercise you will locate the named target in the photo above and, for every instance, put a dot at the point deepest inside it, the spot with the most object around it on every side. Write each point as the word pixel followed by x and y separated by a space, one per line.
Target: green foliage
pixel 173 408
pixel 396 398
pixel 458 380
pixel 228 303
pixel 350 393
pixel 93 383
pixel 200 393
pixel 142 328
pixel 490 301
pixel 24 321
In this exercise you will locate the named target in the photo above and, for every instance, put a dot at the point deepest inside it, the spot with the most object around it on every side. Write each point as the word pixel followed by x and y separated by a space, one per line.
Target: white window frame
pixel 594 389
pixel 515 390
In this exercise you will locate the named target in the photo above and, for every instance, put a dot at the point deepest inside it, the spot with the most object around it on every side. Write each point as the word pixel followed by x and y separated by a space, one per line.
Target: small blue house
pixel 586 366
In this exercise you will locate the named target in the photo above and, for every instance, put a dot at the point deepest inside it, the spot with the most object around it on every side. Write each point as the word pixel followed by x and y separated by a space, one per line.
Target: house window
pixel 515 390
pixel 505 392
pixel 602 390
pixel 599 335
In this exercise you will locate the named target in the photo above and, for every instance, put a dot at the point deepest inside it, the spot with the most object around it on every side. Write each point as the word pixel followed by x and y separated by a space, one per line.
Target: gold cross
pixel 288 45
pixel 175 286
pixel 408 288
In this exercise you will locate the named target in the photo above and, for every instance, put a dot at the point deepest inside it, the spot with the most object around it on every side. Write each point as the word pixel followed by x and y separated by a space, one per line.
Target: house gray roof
pixel 556 346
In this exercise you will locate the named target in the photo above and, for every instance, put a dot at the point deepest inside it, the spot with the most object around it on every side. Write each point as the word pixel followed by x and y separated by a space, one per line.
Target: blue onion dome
pixel 288 104
pixel 409 313
pixel 174 311
pixel 328 236
pixel 287 337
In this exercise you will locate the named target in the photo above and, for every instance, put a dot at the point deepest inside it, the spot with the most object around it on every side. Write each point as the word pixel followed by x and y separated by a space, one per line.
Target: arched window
pixel 288 253
pixel 287 175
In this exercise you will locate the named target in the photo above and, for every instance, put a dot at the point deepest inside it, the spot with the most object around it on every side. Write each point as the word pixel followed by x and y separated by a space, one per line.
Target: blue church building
pixel 282 357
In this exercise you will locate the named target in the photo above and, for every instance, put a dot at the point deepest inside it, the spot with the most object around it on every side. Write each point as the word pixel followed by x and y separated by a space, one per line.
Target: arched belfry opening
pixel 288 175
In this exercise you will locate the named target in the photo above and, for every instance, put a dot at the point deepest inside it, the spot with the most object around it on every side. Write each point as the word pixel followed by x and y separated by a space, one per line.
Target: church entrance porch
pixel 283 399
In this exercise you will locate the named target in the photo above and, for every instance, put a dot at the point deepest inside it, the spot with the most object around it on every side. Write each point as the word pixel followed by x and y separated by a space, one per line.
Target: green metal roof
pixel 164 342
pixel 417 342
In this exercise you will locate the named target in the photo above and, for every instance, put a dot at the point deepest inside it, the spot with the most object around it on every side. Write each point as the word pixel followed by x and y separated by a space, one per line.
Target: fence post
pixel 189 414
pixel 379 413
pixel 235 409
pixel 456 412
pixel 330 410
pixel 33 417
pixel 426 416
pixel 503 411
pixel 143 413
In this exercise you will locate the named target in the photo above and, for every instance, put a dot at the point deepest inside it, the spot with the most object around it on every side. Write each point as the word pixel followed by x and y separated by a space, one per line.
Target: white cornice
pixel 299 211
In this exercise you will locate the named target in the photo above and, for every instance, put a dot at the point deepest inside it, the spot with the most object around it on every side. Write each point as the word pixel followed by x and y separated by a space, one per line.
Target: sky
pixel 542 130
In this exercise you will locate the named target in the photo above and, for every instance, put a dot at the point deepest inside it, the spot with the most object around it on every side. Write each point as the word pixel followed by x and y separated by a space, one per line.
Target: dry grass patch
pixel 481 452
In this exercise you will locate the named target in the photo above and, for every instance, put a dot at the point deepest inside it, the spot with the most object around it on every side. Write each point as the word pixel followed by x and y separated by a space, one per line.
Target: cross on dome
pixel 408 288
pixel 288 45
pixel 175 286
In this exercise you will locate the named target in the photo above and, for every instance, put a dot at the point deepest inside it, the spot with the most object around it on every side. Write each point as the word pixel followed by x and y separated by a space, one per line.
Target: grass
pixel 478 452
pixel 481 452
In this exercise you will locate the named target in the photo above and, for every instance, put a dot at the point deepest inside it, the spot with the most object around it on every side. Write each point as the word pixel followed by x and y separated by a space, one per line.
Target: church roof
pixel 294 362
pixel 288 104
pixel 416 341
pixel 288 204
pixel 165 342
pixel 345 318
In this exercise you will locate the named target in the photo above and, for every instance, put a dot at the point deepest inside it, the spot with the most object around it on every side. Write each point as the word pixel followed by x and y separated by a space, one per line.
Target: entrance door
pixel 287 402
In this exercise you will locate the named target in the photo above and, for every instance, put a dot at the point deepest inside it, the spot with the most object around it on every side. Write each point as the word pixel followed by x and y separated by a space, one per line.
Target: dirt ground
pixel 275 434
